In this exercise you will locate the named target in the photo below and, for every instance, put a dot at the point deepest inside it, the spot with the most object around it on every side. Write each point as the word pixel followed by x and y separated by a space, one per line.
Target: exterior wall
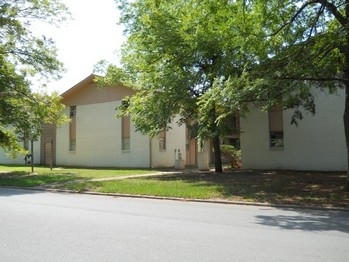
pixel 99 140
pixel 48 136
pixel 175 139
pixel 6 160
pixel 99 132
pixel 36 150
pixel 318 143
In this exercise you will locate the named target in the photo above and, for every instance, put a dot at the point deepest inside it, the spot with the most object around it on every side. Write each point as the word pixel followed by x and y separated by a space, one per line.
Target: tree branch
pixel 319 79
pixel 330 7
pixel 333 10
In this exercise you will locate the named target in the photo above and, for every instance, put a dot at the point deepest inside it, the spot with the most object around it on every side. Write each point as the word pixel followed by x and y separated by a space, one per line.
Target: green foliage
pixel 24 56
pixel 18 176
pixel 172 55
pixel 231 150
pixel 234 52
pixel 305 45
pixel 175 55
pixel 205 60
pixel 40 108
pixel 154 186
pixel 108 75
pixel 232 154
pixel 9 142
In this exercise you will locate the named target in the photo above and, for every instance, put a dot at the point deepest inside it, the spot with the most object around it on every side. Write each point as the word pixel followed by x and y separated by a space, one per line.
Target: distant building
pixel 95 137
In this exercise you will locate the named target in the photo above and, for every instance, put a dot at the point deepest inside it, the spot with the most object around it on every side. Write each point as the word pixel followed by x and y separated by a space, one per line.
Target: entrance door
pixel 191 152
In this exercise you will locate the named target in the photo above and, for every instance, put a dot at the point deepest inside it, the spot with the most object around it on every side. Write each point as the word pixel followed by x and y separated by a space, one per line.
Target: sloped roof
pixel 87 91
pixel 78 86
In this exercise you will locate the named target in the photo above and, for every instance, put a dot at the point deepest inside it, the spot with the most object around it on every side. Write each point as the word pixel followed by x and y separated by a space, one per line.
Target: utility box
pixel 179 164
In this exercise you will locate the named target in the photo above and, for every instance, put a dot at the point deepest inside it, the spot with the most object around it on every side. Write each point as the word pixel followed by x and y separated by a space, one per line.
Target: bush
pixel 232 155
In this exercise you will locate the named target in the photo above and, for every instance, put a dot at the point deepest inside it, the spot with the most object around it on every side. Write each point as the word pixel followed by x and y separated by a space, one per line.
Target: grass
pixel 154 186
pixel 275 187
pixel 11 175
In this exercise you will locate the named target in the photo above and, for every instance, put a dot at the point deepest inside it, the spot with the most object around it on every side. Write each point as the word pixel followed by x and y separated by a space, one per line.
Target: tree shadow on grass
pixel 13 174
pixel 274 187
pixel 27 179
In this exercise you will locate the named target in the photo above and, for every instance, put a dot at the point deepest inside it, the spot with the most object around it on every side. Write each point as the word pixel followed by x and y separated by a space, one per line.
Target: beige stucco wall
pixel 98 140
pixel 318 143
pixel 5 159
pixel 175 139
pixel 99 134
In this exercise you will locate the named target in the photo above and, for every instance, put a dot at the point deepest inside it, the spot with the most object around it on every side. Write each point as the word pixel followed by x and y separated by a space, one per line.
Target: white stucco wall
pixel 175 139
pixel 318 143
pixel 6 160
pixel 98 140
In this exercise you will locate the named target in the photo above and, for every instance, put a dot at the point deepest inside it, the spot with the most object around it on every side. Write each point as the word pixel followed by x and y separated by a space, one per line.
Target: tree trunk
pixel 346 106
pixel 216 142
pixel 346 121
pixel 346 129
pixel 217 155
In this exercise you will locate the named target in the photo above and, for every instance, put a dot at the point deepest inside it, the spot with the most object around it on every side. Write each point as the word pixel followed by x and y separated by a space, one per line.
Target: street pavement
pixel 46 226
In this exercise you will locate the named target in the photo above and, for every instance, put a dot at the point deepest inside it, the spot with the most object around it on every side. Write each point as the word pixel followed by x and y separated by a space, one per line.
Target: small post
pixel 51 158
pixel 32 154
pixel 175 156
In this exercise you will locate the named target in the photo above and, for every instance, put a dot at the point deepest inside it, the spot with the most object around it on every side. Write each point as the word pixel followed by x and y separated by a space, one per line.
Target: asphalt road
pixel 43 226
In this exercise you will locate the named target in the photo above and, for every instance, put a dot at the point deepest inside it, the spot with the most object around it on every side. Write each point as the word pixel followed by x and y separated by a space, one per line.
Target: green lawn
pixel 11 175
pixel 275 187
pixel 152 186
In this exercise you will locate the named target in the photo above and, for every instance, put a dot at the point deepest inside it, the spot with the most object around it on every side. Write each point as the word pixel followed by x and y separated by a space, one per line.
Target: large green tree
pixel 175 51
pixel 206 59
pixel 306 46
pixel 25 56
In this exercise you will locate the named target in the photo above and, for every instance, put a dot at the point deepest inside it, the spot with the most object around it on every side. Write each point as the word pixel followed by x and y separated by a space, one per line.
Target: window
pixel 276 129
pixel 162 140
pixel 72 111
pixel 72 129
pixel 72 144
pixel 125 130
pixel 234 138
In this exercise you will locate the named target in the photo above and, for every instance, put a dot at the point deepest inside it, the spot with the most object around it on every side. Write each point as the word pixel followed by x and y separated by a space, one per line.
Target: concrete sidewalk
pixel 56 184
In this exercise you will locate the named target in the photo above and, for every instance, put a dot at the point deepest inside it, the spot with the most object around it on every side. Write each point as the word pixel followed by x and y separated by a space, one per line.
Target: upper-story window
pixel 276 128
pixel 72 129
pixel 125 130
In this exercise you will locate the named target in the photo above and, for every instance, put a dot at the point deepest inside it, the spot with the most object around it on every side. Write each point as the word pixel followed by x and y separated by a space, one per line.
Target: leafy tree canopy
pixel 306 46
pixel 206 59
pixel 175 53
pixel 305 43
pixel 24 56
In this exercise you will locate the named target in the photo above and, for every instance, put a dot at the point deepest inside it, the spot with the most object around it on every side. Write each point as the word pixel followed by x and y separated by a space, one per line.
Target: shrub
pixel 232 155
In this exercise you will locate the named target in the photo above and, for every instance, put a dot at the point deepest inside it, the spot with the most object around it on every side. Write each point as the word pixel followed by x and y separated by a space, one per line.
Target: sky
pixel 91 36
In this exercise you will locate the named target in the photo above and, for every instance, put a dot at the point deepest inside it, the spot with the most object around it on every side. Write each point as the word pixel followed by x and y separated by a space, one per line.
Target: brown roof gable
pixel 78 86
pixel 88 92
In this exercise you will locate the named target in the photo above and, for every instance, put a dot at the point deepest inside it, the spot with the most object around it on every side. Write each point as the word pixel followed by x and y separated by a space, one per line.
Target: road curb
pixel 212 201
